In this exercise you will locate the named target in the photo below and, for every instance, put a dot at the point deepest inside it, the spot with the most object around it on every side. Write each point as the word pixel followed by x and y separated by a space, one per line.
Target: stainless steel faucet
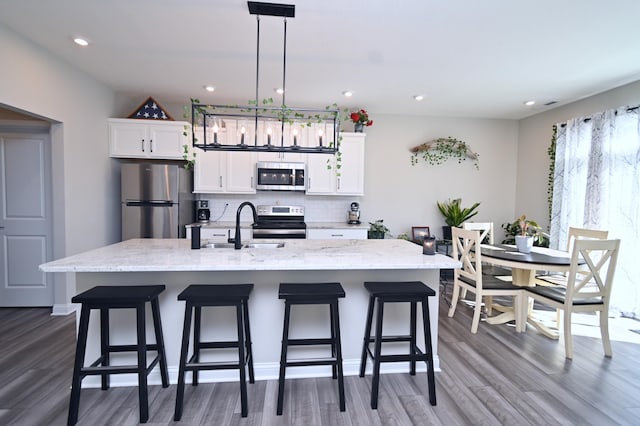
pixel 236 240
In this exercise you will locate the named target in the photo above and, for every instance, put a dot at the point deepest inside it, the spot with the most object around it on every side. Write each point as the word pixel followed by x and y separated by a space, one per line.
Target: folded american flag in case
pixel 150 109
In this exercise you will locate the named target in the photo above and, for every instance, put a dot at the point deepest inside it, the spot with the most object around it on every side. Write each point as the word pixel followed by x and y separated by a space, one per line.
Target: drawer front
pixel 336 234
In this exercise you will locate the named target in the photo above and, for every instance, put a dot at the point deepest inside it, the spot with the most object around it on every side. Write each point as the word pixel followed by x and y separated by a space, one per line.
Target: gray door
pixel 25 219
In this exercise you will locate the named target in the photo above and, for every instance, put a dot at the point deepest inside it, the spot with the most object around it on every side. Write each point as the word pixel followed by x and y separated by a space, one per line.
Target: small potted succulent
pixel 377 230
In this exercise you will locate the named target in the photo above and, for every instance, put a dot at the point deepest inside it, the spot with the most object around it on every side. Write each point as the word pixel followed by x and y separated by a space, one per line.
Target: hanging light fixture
pixel 261 127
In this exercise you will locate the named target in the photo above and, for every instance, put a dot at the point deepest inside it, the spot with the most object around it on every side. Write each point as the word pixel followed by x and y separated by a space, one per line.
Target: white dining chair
pixel 588 287
pixel 485 228
pixel 573 235
pixel 466 248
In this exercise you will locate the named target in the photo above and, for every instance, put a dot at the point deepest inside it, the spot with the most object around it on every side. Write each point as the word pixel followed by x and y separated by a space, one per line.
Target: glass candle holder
pixel 429 245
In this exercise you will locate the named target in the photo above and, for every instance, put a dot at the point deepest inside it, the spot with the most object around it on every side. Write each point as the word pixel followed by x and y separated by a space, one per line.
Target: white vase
pixel 524 243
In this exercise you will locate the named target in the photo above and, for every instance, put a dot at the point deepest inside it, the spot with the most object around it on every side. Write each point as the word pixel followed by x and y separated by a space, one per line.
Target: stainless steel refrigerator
pixel 156 198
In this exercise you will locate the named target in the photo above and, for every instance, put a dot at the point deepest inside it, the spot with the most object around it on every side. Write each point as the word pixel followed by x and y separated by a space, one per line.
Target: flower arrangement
pixel 361 117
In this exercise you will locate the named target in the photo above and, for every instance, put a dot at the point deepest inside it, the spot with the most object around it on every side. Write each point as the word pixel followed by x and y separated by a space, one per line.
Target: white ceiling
pixel 469 58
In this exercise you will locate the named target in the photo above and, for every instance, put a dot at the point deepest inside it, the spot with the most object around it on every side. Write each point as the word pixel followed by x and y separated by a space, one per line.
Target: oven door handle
pixel 279 231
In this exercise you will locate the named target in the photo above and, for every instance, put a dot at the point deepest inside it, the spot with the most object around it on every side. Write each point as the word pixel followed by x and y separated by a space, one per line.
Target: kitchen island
pixel 172 262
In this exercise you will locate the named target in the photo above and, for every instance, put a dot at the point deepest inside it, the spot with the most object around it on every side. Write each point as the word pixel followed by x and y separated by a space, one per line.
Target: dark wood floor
pixel 494 377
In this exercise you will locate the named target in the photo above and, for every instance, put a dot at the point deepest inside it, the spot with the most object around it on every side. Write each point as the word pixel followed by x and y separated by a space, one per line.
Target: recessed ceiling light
pixel 209 88
pixel 348 93
pixel 418 97
pixel 81 41
pixel 530 103
pixel 279 90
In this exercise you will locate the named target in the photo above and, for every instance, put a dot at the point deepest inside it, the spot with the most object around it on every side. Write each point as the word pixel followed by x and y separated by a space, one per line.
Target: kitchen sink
pixel 218 245
pixel 263 245
pixel 249 245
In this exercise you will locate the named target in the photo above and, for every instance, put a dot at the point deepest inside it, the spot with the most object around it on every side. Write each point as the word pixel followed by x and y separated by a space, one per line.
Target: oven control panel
pixel 280 210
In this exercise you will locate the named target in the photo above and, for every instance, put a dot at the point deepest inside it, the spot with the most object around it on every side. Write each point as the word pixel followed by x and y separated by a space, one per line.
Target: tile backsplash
pixel 317 208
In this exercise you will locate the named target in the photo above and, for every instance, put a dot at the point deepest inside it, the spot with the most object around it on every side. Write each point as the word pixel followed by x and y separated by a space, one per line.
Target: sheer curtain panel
pixel 597 185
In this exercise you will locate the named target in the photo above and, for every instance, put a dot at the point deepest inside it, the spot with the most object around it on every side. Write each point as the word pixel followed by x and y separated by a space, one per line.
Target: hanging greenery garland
pixel 551 151
pixel 439 150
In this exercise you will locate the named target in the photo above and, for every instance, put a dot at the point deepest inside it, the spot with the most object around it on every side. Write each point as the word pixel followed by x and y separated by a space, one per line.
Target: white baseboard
pixel 63 309
pixel 263 371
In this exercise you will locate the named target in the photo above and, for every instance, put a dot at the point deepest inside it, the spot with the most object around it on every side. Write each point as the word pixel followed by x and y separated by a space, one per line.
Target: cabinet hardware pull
pixel 142 145
pixel 220 179
pixel 337 235
pixel 151 145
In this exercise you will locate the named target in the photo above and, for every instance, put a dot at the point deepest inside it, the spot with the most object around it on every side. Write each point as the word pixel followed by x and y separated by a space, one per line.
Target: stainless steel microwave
pixel 276 176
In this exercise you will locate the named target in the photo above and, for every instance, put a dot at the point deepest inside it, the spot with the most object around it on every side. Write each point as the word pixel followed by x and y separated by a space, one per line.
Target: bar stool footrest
pixel 310 342
pixel 398 338
pixel 219 345
pixel 211 365
pixel 96 370
pixel 311 361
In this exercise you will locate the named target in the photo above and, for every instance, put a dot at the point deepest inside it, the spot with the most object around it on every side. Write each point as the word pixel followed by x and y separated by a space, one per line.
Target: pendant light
pixel 262 127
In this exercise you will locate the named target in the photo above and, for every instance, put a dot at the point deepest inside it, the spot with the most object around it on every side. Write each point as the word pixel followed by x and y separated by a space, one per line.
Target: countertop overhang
pixel 159 255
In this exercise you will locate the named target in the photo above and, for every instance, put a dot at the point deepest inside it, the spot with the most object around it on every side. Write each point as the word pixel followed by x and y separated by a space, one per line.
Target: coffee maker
pixel 354 214
pixel 202 211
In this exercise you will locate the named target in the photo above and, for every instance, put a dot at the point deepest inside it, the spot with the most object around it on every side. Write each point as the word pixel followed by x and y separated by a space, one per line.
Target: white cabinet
pixel 324 179
pixel 224 172
pixel 337 234
pixel 320 179
pixel 130 138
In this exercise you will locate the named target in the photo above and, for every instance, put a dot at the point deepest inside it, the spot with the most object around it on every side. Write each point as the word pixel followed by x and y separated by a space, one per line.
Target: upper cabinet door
pixel 351 176
pixel 129 138
pixel 241 169
pixel 323 178
pixel 209 172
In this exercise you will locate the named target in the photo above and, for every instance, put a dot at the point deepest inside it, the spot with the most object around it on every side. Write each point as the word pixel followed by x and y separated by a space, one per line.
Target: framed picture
pixel 419 233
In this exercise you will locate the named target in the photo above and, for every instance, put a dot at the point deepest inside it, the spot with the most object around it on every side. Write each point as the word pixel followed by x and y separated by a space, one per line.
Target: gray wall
pixel 84 182
pixel 535 137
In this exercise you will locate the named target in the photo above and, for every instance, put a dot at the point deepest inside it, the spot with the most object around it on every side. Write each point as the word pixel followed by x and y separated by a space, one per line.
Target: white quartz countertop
pixel 157 255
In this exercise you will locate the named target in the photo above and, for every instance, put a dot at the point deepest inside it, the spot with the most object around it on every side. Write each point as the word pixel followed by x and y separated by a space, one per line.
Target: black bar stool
pixel 393 292
pixel 105 298
pixel 312 294
pixel 197 297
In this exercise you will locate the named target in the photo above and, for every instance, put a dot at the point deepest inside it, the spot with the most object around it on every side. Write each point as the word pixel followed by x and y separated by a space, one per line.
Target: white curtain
pixel 597 186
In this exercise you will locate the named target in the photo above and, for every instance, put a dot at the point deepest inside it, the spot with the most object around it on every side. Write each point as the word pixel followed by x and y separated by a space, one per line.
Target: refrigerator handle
pixel 162 203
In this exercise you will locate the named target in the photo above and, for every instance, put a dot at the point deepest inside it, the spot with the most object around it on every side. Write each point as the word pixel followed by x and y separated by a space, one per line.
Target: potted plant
pixel 360 119
pixel 455 215
pixel 377 230
pixel 523 227
pixel 524 241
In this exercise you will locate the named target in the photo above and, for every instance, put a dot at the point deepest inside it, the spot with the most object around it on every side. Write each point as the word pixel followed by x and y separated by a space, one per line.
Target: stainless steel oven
pixel 274 176
pixel 280 222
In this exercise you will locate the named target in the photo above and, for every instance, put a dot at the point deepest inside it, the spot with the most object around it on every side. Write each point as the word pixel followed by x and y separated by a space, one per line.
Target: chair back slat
pixel 466 248
pixel 584 234
pixel 593 278
pixel 485 228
